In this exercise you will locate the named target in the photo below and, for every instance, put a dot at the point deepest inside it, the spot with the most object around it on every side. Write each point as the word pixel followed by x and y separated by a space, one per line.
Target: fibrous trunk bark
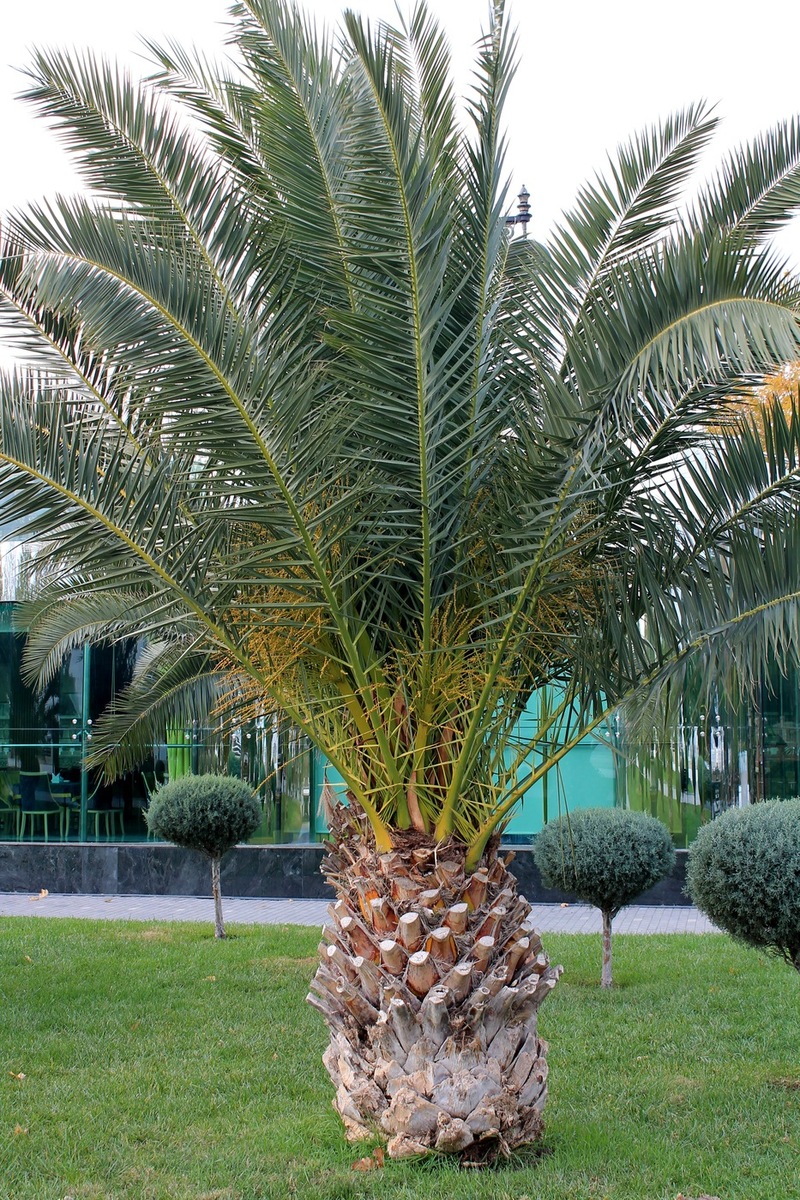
pixel 605 975
pixel 430 981
pixel 219 927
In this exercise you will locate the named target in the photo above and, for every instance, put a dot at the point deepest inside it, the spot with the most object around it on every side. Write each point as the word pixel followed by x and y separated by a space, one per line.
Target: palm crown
pixel 304 415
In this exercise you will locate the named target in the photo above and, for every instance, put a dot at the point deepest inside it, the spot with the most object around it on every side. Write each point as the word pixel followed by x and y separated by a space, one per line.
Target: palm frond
pixel 174 685
pixel 302 415
pixel 756 191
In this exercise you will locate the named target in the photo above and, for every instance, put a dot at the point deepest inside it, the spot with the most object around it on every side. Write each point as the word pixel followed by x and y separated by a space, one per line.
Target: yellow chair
pixel 69 806
pixel 9 803
pixel 107 814
pixel 36 802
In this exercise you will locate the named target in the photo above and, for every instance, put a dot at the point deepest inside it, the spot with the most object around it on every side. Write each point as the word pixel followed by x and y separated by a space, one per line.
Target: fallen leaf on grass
pixel 27 958
pixel 17 1075
pixel 371 1163
pixel 19 1131
pixel 210 979
pixel 363 1164
pixel 705 1196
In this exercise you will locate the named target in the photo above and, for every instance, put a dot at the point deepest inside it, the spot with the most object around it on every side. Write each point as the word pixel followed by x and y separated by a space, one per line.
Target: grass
pixel 159 1064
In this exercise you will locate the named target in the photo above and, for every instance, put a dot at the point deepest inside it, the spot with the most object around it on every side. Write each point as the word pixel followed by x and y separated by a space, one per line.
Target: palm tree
pixel 303 414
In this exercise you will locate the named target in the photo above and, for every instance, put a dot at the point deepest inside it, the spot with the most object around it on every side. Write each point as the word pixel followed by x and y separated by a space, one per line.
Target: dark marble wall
pixel 160 870
pixel 274 871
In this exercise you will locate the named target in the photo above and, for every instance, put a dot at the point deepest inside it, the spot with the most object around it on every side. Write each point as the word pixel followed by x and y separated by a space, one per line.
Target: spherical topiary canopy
pixel 606 856
pixel 744 873
pixel 209 813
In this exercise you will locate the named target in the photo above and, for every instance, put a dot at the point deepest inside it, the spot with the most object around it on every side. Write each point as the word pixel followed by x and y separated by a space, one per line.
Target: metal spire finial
pixel 523 214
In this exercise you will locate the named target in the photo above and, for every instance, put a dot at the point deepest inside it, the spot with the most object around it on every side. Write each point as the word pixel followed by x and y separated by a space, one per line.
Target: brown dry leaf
pixel 27 958
pixel 19 1130
pixel 210 979
pixel 17 1075
pixel 372 1162
pixel 363 1164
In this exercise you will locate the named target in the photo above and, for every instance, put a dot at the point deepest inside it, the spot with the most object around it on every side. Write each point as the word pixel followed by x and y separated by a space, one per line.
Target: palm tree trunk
pixel 430 981
pixel 605 975
pixel 216 891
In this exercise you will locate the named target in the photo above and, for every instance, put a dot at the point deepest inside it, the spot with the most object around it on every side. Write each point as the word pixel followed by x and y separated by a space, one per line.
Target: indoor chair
pixel 9 803
pixel 36 801
pixel 101 808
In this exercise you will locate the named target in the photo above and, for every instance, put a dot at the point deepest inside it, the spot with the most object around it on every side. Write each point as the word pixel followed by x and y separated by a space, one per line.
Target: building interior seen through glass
pixel 49 793
pixel 715 757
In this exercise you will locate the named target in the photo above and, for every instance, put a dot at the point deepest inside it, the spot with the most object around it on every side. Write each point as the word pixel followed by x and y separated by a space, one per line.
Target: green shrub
pixel 209 813
pixel 744 873
pixel 606 857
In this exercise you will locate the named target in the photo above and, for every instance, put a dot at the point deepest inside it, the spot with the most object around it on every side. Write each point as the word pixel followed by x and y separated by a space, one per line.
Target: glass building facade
pixel 717 757
pixel 711 761
pixel 48 791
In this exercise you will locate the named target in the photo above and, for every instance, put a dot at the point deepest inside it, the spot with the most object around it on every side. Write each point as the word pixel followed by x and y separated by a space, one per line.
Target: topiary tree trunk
pixel 216 891
pixel 606 979
pixel 430 981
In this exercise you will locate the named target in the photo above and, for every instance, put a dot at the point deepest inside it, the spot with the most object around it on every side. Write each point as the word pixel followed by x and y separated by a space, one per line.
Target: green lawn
pixel 160 1065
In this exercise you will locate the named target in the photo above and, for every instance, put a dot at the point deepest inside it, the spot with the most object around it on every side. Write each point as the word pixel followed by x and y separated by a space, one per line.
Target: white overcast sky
pixel 591 72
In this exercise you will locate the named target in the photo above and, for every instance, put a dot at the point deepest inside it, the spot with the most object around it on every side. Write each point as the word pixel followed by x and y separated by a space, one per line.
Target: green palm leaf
pixel 301 414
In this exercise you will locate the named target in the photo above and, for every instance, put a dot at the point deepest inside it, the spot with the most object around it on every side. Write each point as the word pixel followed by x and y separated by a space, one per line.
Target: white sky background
pixel 591 72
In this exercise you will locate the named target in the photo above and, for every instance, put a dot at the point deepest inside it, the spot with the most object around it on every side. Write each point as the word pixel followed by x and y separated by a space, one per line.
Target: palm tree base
pixel 430 981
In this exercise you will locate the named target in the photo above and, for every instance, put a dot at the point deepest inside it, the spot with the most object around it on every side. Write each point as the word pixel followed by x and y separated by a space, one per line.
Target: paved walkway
pixel 549 918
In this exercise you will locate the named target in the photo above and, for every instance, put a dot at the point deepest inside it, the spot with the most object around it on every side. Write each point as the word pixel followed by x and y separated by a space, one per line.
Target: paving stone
pixel 549 918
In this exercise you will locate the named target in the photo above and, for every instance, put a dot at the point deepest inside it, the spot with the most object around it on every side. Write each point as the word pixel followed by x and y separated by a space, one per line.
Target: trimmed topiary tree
pixel 606 856
pixel 744 874
pixel 209 813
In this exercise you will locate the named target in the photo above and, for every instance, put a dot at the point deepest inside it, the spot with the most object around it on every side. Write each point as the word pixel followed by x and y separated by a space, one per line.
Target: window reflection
pixel 44 742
